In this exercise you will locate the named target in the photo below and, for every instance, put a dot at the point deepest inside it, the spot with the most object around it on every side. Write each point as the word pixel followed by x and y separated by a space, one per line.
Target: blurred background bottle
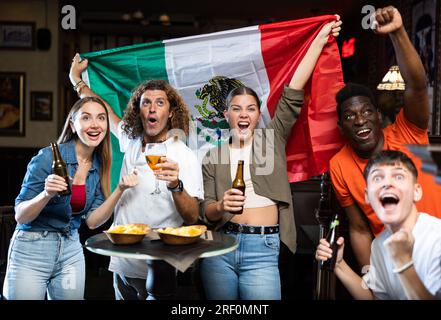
pixel 59 168
pixel 331 237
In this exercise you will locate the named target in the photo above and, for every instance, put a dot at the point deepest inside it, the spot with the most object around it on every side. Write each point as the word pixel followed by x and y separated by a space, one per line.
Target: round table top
pixel 153 248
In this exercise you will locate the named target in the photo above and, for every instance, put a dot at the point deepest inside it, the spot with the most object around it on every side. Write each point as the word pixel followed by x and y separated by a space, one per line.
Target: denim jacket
pixel 57 214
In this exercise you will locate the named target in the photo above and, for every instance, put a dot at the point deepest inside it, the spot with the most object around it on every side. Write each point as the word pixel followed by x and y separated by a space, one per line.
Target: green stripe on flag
pixel 136 64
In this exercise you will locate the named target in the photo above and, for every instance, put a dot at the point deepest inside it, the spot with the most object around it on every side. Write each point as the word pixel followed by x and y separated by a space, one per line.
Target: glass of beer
pixel 153 153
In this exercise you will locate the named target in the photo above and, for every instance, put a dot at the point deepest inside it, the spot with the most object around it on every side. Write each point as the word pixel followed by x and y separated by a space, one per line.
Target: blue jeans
pixel 159 285
pixel 249 273
pixel 43 262
pixel 129 288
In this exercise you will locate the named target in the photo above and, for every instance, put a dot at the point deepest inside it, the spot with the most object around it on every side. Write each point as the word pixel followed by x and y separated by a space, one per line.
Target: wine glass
pixel 153 153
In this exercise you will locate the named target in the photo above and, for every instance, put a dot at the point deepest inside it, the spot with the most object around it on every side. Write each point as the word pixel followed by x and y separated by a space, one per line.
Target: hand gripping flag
pixel 205 67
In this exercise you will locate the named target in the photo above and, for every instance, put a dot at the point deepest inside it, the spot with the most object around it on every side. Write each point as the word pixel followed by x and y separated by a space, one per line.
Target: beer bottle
pixel 59 168
pixel 238 182
pixel 332 237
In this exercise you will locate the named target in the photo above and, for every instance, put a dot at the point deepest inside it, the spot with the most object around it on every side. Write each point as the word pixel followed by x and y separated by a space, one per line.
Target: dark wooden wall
pixel 13 162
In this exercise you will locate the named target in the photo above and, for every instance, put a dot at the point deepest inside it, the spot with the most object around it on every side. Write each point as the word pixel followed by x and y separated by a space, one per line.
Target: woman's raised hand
pixel 331 28
pixel 76 68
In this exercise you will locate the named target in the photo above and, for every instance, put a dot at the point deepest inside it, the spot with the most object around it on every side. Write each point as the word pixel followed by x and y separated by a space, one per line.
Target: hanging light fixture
pixel 126 17
pixel 164 19
pixel 44 34
pixel 392 80
pixel 138 15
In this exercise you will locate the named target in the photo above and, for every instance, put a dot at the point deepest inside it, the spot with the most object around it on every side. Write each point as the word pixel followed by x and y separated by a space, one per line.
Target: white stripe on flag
pixel 192 61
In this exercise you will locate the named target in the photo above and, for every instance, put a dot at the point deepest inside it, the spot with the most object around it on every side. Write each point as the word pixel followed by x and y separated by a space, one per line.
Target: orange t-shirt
pixel 347 172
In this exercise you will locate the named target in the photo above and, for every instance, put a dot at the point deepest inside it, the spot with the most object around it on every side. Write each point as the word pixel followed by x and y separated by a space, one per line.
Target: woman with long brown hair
pixel 45 255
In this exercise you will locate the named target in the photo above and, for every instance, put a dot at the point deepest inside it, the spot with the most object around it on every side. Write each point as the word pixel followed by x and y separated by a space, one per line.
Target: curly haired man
pixel 155 108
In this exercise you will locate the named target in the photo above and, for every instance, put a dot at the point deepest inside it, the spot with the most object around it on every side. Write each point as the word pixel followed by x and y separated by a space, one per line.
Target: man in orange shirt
pixel 360 123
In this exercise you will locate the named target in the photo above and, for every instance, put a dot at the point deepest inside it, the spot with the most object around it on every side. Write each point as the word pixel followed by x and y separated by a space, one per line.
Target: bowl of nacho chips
pixel 182 235
pixel 127 233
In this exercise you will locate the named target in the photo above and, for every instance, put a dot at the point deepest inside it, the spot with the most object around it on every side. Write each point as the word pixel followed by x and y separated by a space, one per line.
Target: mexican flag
pixel 205 67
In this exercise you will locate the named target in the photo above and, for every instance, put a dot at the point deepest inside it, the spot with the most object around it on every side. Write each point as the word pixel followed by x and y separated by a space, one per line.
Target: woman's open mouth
pixel 94 136
pixel 243 126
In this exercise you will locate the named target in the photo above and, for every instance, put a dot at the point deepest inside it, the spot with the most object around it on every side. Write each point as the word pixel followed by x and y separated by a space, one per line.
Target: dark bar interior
pixel 43 66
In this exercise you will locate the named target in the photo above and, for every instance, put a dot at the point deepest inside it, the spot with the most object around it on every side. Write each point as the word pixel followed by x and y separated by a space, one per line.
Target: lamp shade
pixel 392 80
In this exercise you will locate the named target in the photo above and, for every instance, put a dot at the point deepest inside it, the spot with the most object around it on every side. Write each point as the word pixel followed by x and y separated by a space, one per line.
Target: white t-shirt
pixel 426 255
pixel 137 205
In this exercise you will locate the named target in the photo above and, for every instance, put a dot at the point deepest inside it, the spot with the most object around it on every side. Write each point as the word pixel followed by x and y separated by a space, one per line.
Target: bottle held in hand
pixel 332 237
pixel 59 168
pixel 239 182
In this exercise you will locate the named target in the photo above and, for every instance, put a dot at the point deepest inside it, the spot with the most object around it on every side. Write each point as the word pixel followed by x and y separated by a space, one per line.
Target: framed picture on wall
pixel 17 35
pixel 12 103
pixel 424 24
pixel 41 106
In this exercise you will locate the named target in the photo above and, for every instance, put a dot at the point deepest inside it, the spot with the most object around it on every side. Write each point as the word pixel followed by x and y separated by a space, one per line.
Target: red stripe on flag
pixel 315 137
